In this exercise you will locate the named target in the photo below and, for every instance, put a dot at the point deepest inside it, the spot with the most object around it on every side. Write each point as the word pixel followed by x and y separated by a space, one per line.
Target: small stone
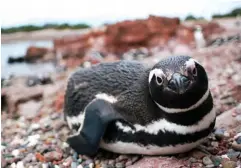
pixel 40 157
pixel 219 133
pixel 91 165
pixel 104 165
pixel 74 165
pixel 233 155
pixel 210 166
pixel 15 152
pixel 20 164
pixel 238 140
pixel 198 154
pixel 80 160
pixel 68 161
pixel 134 159
pixel 111 162
pixel 45 165
pixel 229 164
pixel 119 165
pixel 128 163
pixel 216 160
pixel 52 156
pixel 75 156
pixel 207 160
pixel 214 144
pixel 236 146
pixel 192 159
pixel 123 157
pixel 97 161
pixel 80 166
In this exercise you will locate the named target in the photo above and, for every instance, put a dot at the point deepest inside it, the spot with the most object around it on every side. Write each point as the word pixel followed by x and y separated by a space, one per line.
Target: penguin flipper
pixel 98 114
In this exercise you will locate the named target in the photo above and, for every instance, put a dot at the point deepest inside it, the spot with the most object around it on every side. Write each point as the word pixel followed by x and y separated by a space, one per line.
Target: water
pixel 23 69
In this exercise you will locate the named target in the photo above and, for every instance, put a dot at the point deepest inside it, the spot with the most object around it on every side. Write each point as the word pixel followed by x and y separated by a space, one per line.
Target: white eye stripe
pixel 190 63
pixel 156 72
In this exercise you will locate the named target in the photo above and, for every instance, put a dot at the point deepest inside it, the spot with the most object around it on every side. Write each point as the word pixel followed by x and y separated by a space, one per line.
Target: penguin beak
pixel 179 83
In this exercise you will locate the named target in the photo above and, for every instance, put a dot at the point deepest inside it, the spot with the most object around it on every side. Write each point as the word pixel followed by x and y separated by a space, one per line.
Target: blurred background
pixel 43 42
pixel 61 29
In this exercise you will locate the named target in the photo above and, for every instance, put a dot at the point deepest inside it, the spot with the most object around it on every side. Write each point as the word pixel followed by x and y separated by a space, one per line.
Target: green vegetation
pixel 29 28
pixel 233 13
pixel 191 17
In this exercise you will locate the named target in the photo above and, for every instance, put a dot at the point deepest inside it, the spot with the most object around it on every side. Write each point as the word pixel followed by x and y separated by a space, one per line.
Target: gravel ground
pixel 39 141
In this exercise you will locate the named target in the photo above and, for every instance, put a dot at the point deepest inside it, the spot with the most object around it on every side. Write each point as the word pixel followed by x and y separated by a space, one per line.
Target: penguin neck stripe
pixel 177 110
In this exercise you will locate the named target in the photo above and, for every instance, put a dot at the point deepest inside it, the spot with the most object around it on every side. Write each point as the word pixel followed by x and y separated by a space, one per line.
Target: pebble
pixel 111 162
pixel 120 165
pixel 104 165
pixel 214 144
pixel 33 140
pixel 128 163
pixel 74 165
pixel 52 156
pixel 198 154
pixel 20 164
pixel 233 155
pixel 216 160
pixel 80 166
pixel 207 160
pixel 236 146
pixel 229 164
pixel 238 140
pixel 192 159
pixel 219 133
pixel 134 159
pixel 122 157
pixel 15 152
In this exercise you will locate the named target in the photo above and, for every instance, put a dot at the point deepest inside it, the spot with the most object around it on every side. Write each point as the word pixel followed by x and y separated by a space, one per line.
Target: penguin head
pixel 177 83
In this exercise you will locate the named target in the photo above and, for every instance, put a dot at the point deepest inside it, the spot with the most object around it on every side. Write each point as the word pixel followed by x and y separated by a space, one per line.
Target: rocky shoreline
pixel 34 132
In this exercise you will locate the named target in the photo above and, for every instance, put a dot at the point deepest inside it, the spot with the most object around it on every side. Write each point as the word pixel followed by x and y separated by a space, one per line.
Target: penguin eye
pixel 159 80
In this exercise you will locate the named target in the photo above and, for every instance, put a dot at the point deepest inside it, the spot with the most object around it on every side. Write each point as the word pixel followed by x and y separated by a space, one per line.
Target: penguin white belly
pixel 134 148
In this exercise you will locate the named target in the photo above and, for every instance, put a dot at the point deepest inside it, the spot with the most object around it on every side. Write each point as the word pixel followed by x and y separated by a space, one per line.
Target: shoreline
pixel 46 34
pixel 51 34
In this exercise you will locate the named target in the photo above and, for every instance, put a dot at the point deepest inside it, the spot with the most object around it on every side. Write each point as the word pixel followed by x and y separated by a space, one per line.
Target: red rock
pixel 156 162
pixel 53 156
pixel 59 101
pixel 123 36
pixel 34 53
pixel 40 157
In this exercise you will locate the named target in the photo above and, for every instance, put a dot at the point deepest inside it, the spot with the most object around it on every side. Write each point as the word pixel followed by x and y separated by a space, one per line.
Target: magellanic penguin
pixel 126 107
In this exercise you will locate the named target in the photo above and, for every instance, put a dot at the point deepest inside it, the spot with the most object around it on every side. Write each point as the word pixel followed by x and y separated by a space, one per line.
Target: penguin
pixel 127 107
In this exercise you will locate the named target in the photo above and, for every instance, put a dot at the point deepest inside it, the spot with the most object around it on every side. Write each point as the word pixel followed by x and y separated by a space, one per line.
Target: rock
pixel 120 165
pixel 216 160
pixel 229 164
pixel 35 53
pixel 16 94
pixel 30 110
pixel 207 160
pixel 219 133
pixel 236 146
pixel 197 154
pixel 238 140
pixel 233 155
pixel 74 165
pixel 53 156
pixel 167 162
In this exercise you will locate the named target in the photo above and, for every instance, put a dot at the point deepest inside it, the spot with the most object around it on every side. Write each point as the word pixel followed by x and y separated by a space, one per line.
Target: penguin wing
pixel 97 115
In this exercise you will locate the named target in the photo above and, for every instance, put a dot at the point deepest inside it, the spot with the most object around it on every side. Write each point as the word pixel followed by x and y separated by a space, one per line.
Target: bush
pixel 233 13
pixel 29 28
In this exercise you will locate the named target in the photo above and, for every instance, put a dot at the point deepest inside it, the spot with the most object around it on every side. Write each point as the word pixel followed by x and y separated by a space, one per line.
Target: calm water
pixel 22 69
